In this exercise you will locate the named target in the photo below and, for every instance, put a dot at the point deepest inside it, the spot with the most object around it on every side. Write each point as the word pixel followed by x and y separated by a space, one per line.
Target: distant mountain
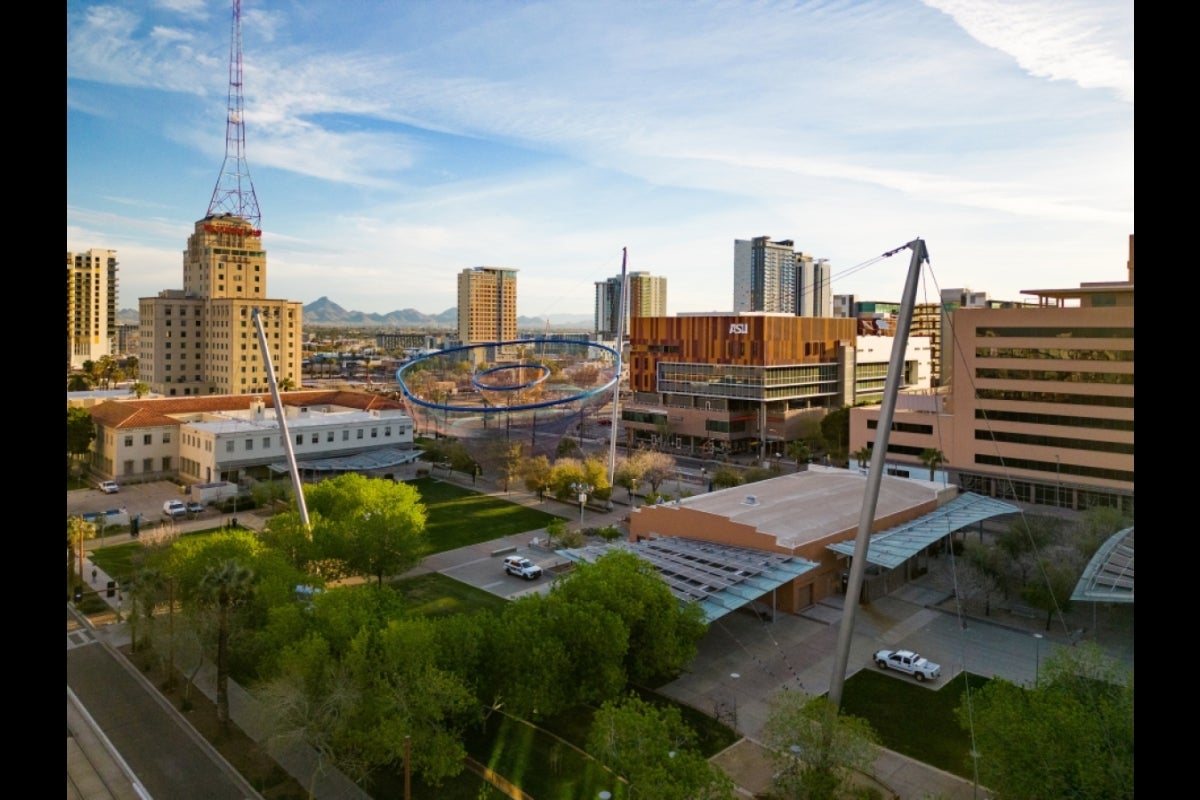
pixel 325 312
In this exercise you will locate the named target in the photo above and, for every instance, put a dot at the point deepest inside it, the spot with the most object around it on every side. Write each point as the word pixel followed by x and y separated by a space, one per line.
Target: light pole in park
pixel 1037 658
pixel 583 490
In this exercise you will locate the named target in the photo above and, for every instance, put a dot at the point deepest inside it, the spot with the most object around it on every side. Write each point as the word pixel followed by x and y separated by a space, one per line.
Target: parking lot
pixel 139 498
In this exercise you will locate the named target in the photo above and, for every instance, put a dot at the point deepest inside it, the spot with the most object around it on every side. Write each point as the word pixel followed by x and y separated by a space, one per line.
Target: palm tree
pixel 78 531
pixel 140 388
pixel 932 458
pixel 224 587
pixel 862 455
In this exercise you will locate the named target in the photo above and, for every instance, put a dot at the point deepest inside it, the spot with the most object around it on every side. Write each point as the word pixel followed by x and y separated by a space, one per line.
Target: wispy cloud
pixel 1086 43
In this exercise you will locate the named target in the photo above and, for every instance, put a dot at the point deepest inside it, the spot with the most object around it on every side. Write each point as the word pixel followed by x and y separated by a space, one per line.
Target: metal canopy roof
pixel 1108 576
pixel 893 547
pixel 359 462
pixel 721 578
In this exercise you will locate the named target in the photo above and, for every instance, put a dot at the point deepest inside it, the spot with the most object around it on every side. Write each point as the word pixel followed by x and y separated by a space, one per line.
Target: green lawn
pixel 435 595
pixel 913 720
pixel 459 517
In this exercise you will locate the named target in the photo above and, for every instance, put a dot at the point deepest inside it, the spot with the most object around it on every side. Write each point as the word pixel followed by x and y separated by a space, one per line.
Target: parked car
pixel 522 567
pixel 109 487
pixel 194 508
pixel 174 509
pixel 908 662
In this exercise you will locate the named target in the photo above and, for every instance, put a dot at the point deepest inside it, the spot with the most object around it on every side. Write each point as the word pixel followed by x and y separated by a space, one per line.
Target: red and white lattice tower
pixel 234 192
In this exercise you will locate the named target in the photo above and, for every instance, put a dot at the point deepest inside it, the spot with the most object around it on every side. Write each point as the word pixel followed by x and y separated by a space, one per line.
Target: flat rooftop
pixel 806 506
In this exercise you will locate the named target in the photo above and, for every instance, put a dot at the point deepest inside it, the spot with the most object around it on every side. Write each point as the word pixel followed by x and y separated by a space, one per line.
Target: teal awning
pixel 365 461
pixel 891 548
pixel 1108 577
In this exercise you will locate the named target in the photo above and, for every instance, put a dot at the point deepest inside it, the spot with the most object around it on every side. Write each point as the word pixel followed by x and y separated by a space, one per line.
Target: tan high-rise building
pixel 202 339
pixel 647 295
pixel 487 304
pixel 91 306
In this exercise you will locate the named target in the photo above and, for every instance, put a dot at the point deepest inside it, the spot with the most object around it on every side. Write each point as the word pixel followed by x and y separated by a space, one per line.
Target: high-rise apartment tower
pixel 646 297
pixel 487 304
pixel 91 306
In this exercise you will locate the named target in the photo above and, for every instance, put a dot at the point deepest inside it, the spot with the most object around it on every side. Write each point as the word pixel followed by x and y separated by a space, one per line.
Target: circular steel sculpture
pixel 526 387
pixel 542 372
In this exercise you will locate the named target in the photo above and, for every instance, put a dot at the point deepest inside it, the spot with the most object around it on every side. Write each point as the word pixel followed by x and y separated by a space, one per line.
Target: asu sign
pixel 739 327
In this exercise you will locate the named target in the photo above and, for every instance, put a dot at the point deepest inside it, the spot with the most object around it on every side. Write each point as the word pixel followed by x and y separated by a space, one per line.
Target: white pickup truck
pixel 909 662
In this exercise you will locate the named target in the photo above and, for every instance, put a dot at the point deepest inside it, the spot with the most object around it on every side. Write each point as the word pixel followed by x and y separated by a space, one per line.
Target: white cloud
pixel 1088 43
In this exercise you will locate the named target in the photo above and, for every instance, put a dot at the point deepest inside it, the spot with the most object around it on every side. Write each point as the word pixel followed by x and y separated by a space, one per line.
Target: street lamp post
pixel 583 489
pixel 1057 481
pixel 1037 659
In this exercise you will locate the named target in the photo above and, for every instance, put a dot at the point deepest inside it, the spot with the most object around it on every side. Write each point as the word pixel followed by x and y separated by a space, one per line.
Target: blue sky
pixel 393 144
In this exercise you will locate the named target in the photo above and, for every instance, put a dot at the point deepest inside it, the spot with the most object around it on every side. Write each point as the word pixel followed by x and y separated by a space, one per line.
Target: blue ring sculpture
pixel 494 409
pixel 510 387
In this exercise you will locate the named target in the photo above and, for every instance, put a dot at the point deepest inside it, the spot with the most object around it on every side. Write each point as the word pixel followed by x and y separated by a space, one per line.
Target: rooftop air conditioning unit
pixel 751 500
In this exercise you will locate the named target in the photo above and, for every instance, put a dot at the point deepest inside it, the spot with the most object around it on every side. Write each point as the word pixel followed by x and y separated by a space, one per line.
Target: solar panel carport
pixel 894 546
pixel 721 578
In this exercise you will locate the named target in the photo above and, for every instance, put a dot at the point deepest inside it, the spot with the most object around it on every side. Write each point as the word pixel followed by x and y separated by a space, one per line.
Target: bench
pixel 1026 612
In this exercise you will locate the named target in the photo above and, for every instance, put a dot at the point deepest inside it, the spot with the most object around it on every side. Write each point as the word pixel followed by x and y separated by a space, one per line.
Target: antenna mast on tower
pixel 234 192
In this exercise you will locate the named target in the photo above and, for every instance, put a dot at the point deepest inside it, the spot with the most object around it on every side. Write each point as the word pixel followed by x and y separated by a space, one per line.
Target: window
pixel 346 435
pixel 316 438
pixel 374 433
pixel 128 467
pixel 266 443
pixel 249 444
pixel 387 430
pixel 147 438
pixel 299 438
pixel 329 436
pixel 166 462
pixel 229 446
pixel 129 441
pixel 166 437
pixel 359 436
pixel 147 465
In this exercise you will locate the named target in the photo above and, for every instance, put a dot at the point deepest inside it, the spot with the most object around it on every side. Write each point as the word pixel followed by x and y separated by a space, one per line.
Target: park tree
pixel 567 448
pixel 79 382
pixel 139 389
pixel 815 749
pixel 81 431
pixel 379 523
pixel 1070 735
pixel 657 468
pixel 224 587
pixel 535 474
pixel 862 455
pixel 835 430
pixel 663 635
pixel 652 748
pixel 547 654
pixel 725 477
pixel 1051 587
pixel 629 474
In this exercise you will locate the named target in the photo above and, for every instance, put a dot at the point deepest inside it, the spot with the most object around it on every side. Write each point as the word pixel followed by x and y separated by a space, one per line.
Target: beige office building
pixel 487 305
pixel 91 306
pixel 202 340
pixel 1041 408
